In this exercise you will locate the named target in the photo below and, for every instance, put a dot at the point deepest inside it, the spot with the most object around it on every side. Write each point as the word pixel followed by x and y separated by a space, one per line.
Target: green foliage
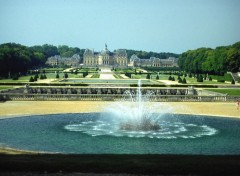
pixel 226 76
pixel 128 75
pixel 226 91
pixel 144 54
pixel 31 79
pixel 221 80
pixel 233 82
pixel 210 78
pixel 173 79
pixel 184 81
pixel 15 77
pixel 213 61
pixel 157 77
pixel 65 75
pixel 148 76
pixel 199 78
pixel 66 51
pixel 85 74
pixel 41 77
pixel 97 75
pixel 170 78
pixel 35 78
pixel 161 68
pixel 190 75
pixel 179 80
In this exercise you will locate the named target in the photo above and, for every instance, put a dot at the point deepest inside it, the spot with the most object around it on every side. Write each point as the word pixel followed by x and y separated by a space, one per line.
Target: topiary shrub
pixel 15 77
pixel 41 77
pixel 200 78
pixel 221 80
pixel 179 80
pixel 31 79
pixel 184 81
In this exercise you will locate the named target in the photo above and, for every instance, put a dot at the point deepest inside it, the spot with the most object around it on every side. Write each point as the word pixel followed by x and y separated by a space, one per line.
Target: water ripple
pixel 169 130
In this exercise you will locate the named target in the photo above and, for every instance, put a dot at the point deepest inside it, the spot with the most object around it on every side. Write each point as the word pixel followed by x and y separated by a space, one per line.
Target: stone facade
pixel 70 61
pixel 117 58
pixel 153 62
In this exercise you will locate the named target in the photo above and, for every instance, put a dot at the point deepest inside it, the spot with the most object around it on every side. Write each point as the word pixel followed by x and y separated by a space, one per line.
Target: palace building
pixel 69 61
pixel 117 58
pixel 153 62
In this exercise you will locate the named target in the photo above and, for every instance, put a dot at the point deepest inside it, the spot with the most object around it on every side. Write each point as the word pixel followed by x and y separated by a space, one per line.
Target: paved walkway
pixel 19 108
pixel 106 73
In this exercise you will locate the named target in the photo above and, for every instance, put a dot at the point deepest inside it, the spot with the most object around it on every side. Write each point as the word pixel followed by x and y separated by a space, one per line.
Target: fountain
pixel 133 125
pixel 141 120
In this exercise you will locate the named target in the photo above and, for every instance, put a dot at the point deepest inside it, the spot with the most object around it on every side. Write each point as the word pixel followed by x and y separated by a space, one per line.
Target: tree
pixel 148 76
pixel 157 77
pixel 200 78
pixel 170 78
pixel 180 80
pixel 35 77
pixel 190 75
pixel 15 77
pixel 50 50
pixel 65 75
pixel 44 76
pixel 214 61
pixel 173 79
pixel 184 81
pixel 31 79
pixel 41 77
pixel 233 82
pixel 57 76
pixel 210 78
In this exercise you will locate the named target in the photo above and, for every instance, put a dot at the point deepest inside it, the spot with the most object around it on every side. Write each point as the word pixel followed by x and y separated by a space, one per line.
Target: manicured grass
pixel 130 164
pixel 118 76
pixel 226 77
pixel 49 76
pixel 5 87
pixel 96 75
pixel 226 91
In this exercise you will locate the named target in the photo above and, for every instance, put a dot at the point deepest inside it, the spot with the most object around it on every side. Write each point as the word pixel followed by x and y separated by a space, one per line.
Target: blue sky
pixel 149 25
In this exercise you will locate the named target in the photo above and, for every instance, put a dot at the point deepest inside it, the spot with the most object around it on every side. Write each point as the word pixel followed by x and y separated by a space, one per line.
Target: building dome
pixel 105 50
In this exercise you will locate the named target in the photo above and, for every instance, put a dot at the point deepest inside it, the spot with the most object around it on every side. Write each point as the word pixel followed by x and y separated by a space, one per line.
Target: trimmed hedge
pixel 42 84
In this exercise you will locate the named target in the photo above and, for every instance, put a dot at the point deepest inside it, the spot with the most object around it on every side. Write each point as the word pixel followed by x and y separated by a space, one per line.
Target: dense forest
pixel 212 61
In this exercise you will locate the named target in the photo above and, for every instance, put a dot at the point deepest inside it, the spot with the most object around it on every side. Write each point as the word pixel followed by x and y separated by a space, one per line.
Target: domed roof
pixel 105 50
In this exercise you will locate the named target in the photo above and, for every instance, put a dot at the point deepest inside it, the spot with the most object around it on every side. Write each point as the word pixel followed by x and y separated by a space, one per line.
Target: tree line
pixel 147 55
pixel 212 61
pixel 17 59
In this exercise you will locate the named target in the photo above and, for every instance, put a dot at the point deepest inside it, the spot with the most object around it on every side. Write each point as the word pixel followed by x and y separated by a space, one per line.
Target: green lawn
pixel 49 76
pixel 226 91
pixel 5 87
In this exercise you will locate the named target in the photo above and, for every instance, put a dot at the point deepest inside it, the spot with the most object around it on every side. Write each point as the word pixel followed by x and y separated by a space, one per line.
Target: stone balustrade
pixel 113 97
